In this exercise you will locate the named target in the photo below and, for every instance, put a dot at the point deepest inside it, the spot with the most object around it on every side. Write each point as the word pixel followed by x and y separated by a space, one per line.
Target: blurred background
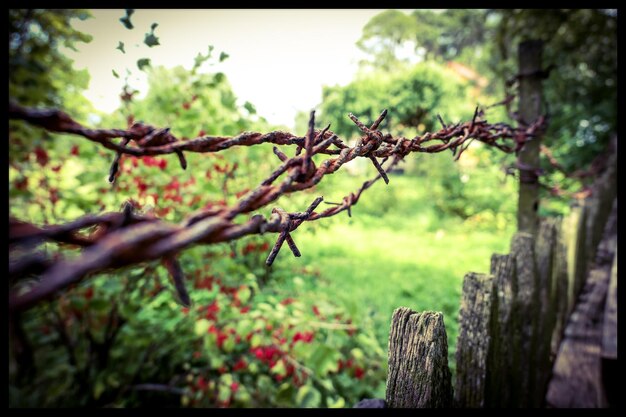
pixel 310 331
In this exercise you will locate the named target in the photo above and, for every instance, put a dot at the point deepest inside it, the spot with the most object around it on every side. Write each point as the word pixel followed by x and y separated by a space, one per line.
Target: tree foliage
pixel 415 94
pixel 580 47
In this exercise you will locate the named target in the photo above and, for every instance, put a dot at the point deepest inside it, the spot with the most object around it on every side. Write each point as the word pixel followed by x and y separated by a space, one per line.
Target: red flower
pixel 54 195
pixel 244 309
pixel 186 105
pixel 241 364
pixel 201 133
pixel 234 387
pixel 21 184
pixel 173 185
pixel 57 168
pixel 359 372
pixel 287 301
pixel 201 383
pixel 42 156
pixel 74 150
pixel 185 310
pixel 197 354
pixel 316 311
pixel 221 337
pixel 89 293
pixel 162 164
pixel 258 352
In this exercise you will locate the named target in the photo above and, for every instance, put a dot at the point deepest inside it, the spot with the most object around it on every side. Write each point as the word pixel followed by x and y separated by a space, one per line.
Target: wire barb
pixel 118 239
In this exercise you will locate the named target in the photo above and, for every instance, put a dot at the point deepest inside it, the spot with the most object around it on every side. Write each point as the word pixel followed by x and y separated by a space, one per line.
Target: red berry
pixel 186 105
pixel 74 150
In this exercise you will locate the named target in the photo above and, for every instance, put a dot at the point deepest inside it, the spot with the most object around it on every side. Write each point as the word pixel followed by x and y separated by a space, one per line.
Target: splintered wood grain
pixel 474 340
pixel 525 318
pixel 545 250
pixel 418 374
pixel 500 368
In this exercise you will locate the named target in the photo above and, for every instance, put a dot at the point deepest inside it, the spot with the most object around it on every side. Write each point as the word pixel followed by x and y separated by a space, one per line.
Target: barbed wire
pixel 127 238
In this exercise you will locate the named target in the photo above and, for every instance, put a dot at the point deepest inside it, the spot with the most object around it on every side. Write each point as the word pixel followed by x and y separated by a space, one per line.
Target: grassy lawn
pixel 407 256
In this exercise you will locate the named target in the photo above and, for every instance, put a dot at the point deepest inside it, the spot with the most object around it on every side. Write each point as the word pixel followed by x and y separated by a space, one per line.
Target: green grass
pixel 403 255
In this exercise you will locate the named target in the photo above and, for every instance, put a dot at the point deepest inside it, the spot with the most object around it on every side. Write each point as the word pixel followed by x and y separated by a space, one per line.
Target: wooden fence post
pixel 500 369
pixel 545 252
pixel 418 374
pixel 560 288
pixel 525 317
pixel 474 341
pixel 577 377
pixel 529 55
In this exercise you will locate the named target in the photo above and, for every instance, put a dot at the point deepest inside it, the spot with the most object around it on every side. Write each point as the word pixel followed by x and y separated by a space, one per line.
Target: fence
pixel 533 331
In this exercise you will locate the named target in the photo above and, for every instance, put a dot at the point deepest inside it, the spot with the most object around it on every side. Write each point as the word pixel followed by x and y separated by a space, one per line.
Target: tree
pixel 580 48
pixel 416 94
pixel 39 73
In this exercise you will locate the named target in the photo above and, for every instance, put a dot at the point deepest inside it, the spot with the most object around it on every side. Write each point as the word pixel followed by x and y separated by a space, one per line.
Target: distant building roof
pixel 467 73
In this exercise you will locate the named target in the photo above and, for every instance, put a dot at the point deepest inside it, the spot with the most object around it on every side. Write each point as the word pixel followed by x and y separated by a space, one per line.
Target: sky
pixel 279 59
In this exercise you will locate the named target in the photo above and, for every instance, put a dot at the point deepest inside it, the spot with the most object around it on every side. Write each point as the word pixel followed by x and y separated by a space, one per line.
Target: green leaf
pixel 143 62
pixel 229 345
pixel 151 40
pixel 78 303
pixel 323 360
pixel 201 327
pixel 115 74
pixel 244 326
pixel 223 56
pixel 120 46
pixel 126 19
pixel 256 340
pixel 219 77
pixel 244 294
pixel 338 403
pixel 223 392
pixel 100 304
pixel 357 354
pixel 279 368
pixel 98 389
pixel 308 397
pixel 252 110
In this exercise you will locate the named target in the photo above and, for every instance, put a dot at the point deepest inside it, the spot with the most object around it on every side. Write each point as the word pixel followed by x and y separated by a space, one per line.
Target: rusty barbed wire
pixel 127 238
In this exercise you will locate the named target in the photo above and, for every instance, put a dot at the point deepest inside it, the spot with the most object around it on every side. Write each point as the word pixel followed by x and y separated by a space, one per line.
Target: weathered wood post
pixel 524 318
pixel 474 341
pixel 577 375
pixel 500 368
pixel 530 96
pixel 418 374
pixel 547 306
